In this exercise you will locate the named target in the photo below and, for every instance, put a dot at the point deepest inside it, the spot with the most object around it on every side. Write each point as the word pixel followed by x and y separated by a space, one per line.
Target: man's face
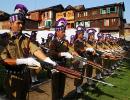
pixel 60 34
pixel 81 35
pixel 16 26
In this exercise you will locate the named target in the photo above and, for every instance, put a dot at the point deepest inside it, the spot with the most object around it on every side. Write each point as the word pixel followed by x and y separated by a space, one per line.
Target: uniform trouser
pixel 78 82
pixel 58 85
pixel 78 66
pixel 17 86
pixel 107 63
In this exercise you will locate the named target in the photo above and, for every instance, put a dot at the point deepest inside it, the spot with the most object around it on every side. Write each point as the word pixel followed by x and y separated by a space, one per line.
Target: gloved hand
pixel 54 71
pixel 28 61
pixel 66 55
pixel 90 49
pixel 48 60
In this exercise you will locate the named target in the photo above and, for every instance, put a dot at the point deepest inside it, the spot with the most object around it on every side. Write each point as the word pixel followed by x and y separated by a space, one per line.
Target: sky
pixel 8 5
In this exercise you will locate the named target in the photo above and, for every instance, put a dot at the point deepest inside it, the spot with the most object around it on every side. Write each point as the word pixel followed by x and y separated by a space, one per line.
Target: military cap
pixel 16 16
pixel 72 36
pixel 61 24
pixel 91 31
pixel 100 35
pixel 20 8
pixel 80 29
pixel 50 34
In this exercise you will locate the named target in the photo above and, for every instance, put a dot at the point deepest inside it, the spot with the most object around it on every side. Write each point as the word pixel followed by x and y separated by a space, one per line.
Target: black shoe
pixel 36 83
pixel 91 88
pixel 79 96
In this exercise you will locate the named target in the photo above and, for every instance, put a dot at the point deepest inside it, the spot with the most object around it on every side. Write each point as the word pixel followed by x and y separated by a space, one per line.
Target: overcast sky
pixel 8 5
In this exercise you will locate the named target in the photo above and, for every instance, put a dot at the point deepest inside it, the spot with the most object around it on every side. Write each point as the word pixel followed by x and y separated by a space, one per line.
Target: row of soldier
pixel 18 54
pixel 102 51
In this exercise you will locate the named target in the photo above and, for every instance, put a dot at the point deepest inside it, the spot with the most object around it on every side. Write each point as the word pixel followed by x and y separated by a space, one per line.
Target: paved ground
pixel 44 90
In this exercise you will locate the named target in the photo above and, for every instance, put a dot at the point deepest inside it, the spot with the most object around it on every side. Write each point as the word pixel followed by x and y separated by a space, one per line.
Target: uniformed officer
pixel 34 72
pixel 13 56
pixel 49 39
pixel 79 48
pixel 59 51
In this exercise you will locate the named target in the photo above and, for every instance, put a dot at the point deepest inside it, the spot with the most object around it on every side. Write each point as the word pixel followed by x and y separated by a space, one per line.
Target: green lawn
pixel 122 82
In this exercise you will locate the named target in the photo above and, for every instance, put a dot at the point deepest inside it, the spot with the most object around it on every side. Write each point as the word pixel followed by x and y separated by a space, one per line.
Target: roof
pixel 55 8
pixel 127 26
pixel 108 5
pixel 4 16
pixel 69 7
pixel 77 8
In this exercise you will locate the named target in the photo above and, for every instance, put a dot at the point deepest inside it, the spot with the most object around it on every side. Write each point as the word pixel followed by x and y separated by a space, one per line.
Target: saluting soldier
pixel 15 61
pixel 59 51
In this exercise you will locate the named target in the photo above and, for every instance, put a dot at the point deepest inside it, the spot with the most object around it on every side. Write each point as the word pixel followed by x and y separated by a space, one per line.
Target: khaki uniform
pixel 79 47
pixel 58 79
pixel 18 76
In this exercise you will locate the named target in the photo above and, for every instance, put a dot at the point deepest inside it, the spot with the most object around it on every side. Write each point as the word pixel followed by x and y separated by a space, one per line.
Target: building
pixel 109 18
pixel 4 24
pixel 127 32
pixel 69 14
pixel 45 17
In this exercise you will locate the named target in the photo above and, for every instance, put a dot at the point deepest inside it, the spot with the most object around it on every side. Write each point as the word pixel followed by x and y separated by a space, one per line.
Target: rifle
pixel 98 66
pixel 74 73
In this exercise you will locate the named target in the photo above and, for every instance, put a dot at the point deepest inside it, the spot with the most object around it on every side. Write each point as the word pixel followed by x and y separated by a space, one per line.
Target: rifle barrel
pixel 109 84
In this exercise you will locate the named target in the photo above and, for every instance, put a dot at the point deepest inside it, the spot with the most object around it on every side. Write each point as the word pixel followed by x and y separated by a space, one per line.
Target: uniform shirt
pixel 57 46
pixel 18 47
pixel 79 47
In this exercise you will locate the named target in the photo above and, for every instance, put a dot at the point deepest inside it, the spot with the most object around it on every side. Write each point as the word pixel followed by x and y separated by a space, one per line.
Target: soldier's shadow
pixel 38 89
pixel 74 96
pixel 99 92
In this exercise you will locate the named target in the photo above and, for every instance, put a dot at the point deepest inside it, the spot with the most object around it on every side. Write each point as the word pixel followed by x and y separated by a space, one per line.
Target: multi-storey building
pixel 127 32
pixel 45 17
pixel 109 18
pixel 69 14
pixel 4 24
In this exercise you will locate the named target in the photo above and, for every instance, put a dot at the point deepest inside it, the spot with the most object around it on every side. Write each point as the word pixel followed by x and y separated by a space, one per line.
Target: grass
pixel 122 82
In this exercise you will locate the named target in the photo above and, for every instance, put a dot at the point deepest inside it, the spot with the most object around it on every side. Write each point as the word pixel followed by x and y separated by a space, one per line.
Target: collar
pixel 15 35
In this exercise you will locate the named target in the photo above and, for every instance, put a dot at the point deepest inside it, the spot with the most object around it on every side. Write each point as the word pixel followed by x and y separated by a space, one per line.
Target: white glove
pixel 90 49
pixel 48 60
pixel 54 71
pixel 84 63
pixel 28 61
pixel 66 55
pixel 107 51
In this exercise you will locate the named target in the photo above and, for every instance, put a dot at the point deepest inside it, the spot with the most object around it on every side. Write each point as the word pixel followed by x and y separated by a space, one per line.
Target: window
pixel 78 14
pixel 48 24
pixel 94 12
pixel 47 15
pixel 108 10
pixel 79 23
pixel 85 13
pixel 113 21
pixel 113 9
pixel 103 11
pixel 43 15
pixel 87 23
pixel 64 14
pixel 106 22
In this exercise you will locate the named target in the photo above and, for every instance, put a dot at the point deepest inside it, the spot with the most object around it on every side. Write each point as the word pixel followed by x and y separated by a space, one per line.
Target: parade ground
pixel 120 79
pixel 121 91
